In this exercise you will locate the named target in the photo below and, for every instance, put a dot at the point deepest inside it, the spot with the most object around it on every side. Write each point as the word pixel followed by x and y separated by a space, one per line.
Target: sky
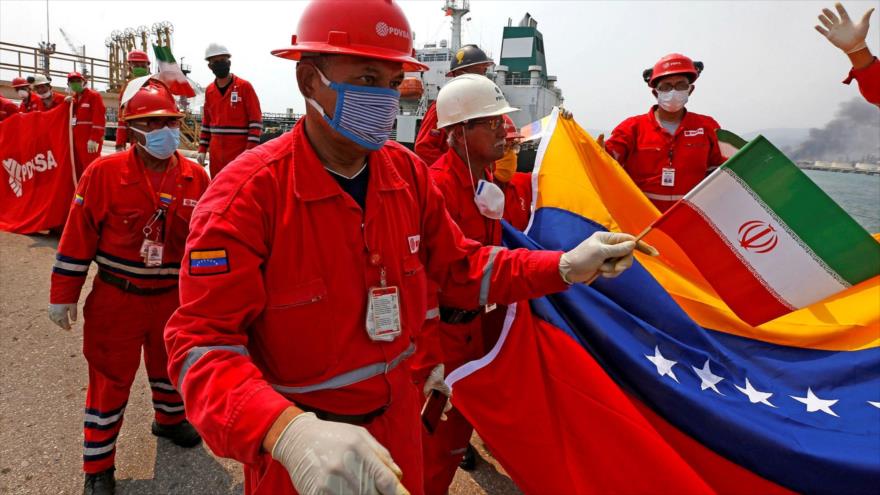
pixel 766 66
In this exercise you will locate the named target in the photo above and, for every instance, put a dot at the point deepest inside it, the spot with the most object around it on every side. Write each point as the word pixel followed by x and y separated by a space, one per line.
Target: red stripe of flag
pixel 728 274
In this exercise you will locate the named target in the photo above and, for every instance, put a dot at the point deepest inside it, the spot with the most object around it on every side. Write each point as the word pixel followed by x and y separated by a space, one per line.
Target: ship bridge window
pixel 517 47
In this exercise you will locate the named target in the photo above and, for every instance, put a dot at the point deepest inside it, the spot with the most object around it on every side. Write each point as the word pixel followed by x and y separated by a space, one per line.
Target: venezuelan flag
pixel 208 262
pixel 649 383
pixel 166 198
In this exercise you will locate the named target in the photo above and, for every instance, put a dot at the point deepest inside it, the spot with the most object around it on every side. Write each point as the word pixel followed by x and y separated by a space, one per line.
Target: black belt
pixel 125 285
pixel 352 419
pixel 455 316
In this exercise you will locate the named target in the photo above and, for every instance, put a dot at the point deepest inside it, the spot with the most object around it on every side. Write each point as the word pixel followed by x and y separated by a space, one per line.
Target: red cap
pixel 510 129
pixel 138 56
pixel 75 75
pixel 20 82
pixel 674 63
pixel 363 28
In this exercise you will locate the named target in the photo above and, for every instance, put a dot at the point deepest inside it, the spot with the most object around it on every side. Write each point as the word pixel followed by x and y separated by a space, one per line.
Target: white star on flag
pixel 664 366
pixel 755 396
pixel 709 380
pixel 816 404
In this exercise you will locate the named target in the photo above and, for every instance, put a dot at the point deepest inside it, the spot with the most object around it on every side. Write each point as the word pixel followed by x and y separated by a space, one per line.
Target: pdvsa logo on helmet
pixel 384 30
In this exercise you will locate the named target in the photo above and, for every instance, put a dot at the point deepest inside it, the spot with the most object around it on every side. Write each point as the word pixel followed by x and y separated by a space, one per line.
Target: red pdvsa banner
pixel 36 179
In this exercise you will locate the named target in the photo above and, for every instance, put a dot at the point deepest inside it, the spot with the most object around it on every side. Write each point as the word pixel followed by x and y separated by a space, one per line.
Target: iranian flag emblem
pixel 767 238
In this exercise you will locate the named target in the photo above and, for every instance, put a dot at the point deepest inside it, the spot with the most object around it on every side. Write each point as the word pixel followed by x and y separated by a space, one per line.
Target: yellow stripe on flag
pixel 203 255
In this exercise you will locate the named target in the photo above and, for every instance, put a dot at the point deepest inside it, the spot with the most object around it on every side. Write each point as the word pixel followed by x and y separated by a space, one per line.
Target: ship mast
pixel 456 9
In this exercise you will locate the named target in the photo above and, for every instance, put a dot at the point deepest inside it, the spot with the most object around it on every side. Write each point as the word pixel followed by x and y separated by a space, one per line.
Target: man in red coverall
pixel 304 278
pixel 43 97
pixel 470 111
pixel 131 216
pixel 231 118
pixel 7 108
pixel 850 38
pixel 517 186
pixel 138 66
pixel 88 123
pixel 23 90
pixel 431 141
pixel 668 150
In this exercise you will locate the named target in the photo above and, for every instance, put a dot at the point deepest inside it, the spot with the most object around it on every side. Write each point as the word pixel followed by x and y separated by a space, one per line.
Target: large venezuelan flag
pixel 648 383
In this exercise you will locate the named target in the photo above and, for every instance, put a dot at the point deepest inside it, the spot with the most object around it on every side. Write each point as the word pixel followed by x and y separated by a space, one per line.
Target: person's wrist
pixel 277 429
pixel 861 58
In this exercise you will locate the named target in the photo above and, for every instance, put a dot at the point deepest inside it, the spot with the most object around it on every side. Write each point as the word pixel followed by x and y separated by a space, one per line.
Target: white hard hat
pixel 470 96
pixel 39 79
pixel 215 49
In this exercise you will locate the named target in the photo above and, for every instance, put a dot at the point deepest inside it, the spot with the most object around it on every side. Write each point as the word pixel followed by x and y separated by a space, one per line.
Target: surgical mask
pixel 46 95
pixel 363 114
pixel 23 93
pixel 161 143
pixel 672 101
pixel 139 71
pixel 488 197
pixel 506 166
pixel 75 87
pixel 220 69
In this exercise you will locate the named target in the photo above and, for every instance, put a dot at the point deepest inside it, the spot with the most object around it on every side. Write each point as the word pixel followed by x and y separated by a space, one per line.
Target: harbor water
pixel 858 194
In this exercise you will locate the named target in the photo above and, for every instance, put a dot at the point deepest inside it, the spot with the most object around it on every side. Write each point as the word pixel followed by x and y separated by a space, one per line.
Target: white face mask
pixel 672 101
pixel 23 93
pixel 46 95
pixel 488 197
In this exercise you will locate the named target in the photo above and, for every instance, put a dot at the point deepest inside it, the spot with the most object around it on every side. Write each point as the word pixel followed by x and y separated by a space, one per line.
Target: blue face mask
pixel 161 143
pixel 363 114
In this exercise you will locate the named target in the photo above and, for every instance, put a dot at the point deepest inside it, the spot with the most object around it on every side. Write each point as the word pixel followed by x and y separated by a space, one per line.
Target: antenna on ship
pixel 456 9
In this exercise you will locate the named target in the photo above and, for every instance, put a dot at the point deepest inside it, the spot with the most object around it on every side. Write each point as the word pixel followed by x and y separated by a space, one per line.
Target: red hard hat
pixel 674 63
pixel 363 28
pixel 74 75
pixel 19 82
pixel 510 129
pixel 138 56
pixel 153 99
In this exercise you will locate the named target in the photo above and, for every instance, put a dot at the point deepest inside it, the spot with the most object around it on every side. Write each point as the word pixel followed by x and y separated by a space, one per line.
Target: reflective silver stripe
pixel 487 276
pixel 432 313
pixel 168 409
pixel 196 353
pixel 97 127
pixel 254 139
pixel 664 197
pixel 162 385
pixel 350 377
pixel 70 266
pixel 92 418
pixel 255 124
pixel 135 269
pixel 241 130
pixel 83 122
pixel 89 451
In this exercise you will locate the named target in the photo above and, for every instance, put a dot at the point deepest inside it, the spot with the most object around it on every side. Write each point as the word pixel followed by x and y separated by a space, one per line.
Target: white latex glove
pixel 435 381
pixel 604 253
pixel 92 146
pixel 59 314
pixel 841 32
pixel 68 98
pixel 325 457
pixel 201 158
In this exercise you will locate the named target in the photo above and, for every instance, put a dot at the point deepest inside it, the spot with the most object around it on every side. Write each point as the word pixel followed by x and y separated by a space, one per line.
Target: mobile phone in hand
pixel 432 411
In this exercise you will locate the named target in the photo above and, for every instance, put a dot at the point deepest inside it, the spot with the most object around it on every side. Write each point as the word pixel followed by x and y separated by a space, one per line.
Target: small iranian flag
pixel 767 238
pixel 170 73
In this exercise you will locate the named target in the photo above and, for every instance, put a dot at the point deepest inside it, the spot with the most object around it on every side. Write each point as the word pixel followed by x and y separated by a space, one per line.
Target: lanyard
pixel 157 219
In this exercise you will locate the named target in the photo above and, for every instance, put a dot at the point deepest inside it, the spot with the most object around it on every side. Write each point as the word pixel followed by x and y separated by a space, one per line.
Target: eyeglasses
pixel 492 123
pixel 154 123
pixel 679 86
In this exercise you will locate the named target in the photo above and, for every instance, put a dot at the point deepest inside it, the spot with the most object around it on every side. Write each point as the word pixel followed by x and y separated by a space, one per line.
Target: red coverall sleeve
pixel 205 133
pixel 226 396
pixel 254 116
pixel 471 275
pixel 79 241
pixel 715 156
pixel 621 142
pixel 99 119
pixel 869 81
pixel 430 142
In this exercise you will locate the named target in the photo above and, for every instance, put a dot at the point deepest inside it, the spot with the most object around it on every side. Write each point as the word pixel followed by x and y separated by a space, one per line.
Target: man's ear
pixel 654 92
pixel 307 78
pixel 692 90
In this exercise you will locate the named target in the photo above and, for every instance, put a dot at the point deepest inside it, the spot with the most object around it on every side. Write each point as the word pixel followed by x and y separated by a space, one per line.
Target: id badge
pixel 73 122
pixel 668 177
pixel 154 254
pixel 383 314
pixel 234 97
pixel 144 246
